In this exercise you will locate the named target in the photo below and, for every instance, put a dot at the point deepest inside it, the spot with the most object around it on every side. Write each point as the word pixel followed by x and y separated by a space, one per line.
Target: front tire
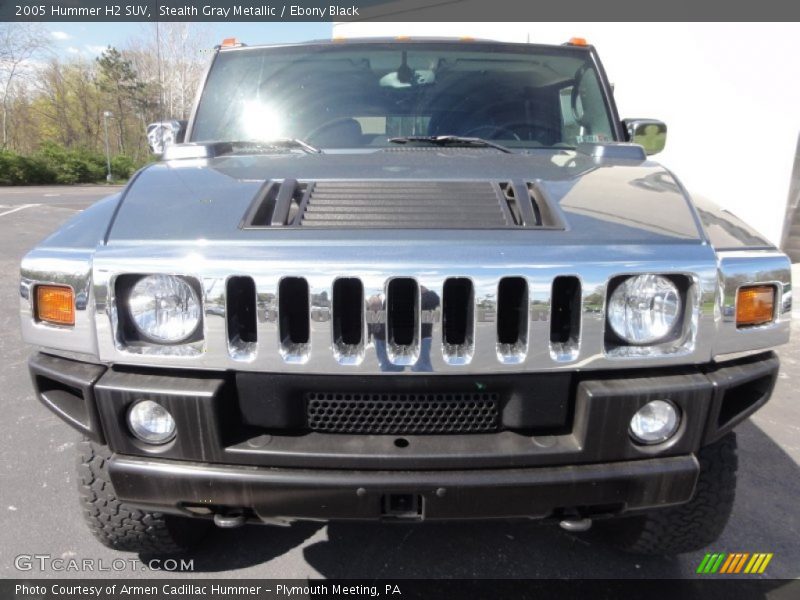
pixel 689 526
pixel 122 527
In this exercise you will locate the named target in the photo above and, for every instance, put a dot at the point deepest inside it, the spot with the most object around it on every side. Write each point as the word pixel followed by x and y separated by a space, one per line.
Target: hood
pixel 588 200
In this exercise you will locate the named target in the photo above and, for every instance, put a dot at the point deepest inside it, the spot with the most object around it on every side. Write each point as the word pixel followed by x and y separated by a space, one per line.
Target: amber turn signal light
pixel 55 304
pixel 755 305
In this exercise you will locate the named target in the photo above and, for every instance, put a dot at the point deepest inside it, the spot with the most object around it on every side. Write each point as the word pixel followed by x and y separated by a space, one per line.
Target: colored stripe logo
pixel 734 563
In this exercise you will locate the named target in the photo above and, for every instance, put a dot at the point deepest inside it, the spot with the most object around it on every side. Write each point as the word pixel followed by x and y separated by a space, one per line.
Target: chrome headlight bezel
pixel 132 334
pixel 678 287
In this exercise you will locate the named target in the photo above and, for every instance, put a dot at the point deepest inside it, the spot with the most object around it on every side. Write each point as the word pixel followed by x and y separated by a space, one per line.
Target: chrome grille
pixel 347 321
pixel 399 321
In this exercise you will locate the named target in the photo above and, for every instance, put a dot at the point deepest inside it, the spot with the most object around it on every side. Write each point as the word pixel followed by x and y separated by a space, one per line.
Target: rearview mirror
pixel 649 133
pixel 163 134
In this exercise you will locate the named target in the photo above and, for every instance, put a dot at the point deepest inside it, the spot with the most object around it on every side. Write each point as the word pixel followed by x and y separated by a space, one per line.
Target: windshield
pixel 362 95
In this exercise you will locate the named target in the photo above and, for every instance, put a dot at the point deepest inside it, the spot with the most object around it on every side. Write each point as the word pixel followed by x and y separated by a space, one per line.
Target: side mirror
pixel 649 133
pixel 163 134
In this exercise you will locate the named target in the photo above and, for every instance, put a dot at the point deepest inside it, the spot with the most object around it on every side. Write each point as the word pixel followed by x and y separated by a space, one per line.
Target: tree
pixel 118 79
pixel 19 43
pixel 50 99
pixel 171 57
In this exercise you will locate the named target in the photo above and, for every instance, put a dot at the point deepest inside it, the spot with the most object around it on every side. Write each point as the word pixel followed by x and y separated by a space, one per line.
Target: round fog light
pixel 655 422
pixel 151 422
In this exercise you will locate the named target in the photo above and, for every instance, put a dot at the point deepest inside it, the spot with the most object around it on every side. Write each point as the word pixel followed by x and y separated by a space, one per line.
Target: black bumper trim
pixel 713 398
pixel 463 494
pixel 66 387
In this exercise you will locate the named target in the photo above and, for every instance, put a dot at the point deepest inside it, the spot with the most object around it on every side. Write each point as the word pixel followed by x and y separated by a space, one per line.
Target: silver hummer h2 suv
pixel 406 280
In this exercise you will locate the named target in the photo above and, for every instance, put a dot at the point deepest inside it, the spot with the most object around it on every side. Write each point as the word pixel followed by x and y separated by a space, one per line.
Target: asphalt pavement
pixel 39 513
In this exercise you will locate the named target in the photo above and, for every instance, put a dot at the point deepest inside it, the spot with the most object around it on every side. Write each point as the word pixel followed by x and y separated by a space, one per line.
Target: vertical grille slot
pixel 348 319
pixel 521 205
pixel 512 319
pixel 293 317
pixel 565 318
pixel 402 321
pixel 276 204
pixel 541 206
pixel 240 313
pixel 510 197
pixel 458 317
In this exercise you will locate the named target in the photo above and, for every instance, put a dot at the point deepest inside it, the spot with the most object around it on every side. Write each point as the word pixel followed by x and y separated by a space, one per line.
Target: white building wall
pixel 729 93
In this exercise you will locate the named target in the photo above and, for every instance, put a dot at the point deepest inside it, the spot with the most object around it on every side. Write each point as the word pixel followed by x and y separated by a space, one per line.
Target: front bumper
pixel 576 456
pixel 464 494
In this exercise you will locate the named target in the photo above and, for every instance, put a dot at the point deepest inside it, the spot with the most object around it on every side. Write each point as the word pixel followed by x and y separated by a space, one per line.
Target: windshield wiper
pixel 276 143
pixel 449 140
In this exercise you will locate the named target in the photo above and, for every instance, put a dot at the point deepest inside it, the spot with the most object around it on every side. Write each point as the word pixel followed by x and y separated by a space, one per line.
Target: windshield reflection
pixel 362 94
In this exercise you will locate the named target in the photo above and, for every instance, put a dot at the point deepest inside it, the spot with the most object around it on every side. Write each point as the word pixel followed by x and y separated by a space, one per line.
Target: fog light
pixel 655 422
pixel 151 422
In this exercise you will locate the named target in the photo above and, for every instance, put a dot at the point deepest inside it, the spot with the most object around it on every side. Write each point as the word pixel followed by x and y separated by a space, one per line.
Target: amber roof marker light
pixel 55 304
pixel 755 305
pixel 577 41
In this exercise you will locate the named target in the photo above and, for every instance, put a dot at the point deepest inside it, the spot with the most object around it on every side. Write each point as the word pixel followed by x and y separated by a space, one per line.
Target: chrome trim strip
pixel 60 266
pixel 430 267
pixel 749 267
pixel 710 333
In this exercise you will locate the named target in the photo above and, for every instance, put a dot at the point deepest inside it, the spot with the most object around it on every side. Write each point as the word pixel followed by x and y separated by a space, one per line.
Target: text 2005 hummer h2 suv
pixel 406 280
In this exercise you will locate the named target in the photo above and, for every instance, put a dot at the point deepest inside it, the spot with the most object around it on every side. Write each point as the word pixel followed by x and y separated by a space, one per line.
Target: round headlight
pixel 644 309
pixel 164 308
pixel 655 422
pixel 151 422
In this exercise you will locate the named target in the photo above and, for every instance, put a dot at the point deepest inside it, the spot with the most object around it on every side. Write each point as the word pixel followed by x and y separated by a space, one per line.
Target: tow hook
pixel 575 525
pixel 229 520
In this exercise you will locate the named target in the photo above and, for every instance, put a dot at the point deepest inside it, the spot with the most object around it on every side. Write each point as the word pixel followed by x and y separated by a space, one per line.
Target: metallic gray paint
pixel 622 214
pixel 601 200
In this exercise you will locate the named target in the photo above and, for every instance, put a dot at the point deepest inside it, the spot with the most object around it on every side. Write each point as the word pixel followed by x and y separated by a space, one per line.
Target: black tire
pixel 689 526
pixel 123 527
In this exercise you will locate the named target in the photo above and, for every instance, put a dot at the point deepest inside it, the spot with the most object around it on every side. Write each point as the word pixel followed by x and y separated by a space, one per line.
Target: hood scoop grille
pixel 381 204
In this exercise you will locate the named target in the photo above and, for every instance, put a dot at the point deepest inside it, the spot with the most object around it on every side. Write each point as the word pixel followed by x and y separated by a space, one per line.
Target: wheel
pixel 689 526
pixel 123 527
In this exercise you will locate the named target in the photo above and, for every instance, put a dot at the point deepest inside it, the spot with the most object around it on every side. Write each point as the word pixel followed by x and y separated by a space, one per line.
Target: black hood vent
pixel 380 204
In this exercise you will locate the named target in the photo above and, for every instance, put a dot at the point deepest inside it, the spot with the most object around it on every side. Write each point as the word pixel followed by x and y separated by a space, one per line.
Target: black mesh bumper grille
pixel 384 413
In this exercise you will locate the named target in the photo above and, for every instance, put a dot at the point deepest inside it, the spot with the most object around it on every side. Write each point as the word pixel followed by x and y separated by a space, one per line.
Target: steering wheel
pixel 492 132
pixel 309 137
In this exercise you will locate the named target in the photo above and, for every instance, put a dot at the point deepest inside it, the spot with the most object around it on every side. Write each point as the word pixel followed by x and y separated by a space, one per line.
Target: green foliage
pixel 23 170
pixel 72 166
pixel 122 167
pixel 54 164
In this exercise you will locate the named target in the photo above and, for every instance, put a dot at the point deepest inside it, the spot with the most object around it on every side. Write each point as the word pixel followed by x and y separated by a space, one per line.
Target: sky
pixel 89 39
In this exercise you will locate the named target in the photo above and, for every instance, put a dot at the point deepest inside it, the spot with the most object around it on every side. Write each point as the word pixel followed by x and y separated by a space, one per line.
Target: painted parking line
pixel 13 210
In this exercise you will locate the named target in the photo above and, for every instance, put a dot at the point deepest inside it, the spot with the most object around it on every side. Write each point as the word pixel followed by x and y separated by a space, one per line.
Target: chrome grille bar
pixel 433 347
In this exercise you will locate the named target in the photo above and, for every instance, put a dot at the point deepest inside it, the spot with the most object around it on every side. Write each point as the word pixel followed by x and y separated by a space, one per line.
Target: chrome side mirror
pixel 163 134
pixel 649 133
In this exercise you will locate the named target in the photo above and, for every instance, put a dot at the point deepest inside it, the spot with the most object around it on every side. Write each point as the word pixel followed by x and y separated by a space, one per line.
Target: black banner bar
pixel 398 10
pixel 705 587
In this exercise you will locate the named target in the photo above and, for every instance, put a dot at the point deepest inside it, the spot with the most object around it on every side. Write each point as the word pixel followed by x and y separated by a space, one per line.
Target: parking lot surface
pixel 40 515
